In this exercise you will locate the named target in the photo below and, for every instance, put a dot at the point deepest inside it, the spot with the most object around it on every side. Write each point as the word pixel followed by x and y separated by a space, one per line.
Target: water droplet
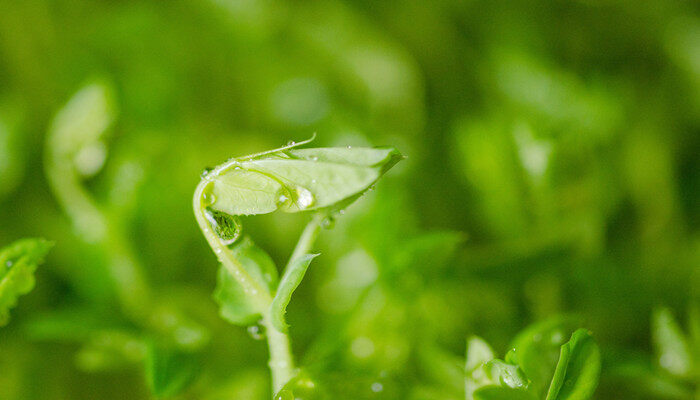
pixel 226 227
pixel 209 198
pixel 349 147
pixel 377 387
pixel 282 199
pixel 313 181
pixel 291 143
pixel 304 198
pixel 341 212
pixel 313 158
pixel 206 171
pixel 257 332
pixel 328 222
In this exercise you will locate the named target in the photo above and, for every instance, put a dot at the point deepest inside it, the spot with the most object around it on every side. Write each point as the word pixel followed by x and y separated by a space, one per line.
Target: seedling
pixel 321 181
pixel 538 366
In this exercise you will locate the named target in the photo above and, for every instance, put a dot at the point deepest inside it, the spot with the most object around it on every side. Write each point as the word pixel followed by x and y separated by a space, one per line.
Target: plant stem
pixel 94 227
pixel 281 360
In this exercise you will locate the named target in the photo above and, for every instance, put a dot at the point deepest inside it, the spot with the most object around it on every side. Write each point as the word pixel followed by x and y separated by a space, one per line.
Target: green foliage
pixel 234 305
pixel 574 375
pixel 578 369
pixel 18 261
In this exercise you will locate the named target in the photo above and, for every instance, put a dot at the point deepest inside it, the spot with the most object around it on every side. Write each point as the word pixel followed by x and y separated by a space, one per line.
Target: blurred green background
pixel 553 167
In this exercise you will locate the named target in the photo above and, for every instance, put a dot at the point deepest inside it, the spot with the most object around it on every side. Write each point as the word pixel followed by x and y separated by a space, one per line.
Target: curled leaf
pixel 294 180
pixel 578 369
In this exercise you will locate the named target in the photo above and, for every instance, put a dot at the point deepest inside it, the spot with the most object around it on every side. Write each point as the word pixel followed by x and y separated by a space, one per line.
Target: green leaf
pixel 578 369
pixel 495 373
pixel 18 262
pixel 290 281
pixel 502 393
pixel 296 180
pixel 536 349
pixel 169 371
pixel 234 305
pixel 478 353
pixel 672 349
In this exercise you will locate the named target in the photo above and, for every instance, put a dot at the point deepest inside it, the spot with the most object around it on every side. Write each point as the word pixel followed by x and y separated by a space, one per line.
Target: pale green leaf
pixel 578 369
pixel 18 262
pixel 234 304
pixel 290 281
pixel 478 352
pixel 79 127
pixel 296 180
pixel 672 348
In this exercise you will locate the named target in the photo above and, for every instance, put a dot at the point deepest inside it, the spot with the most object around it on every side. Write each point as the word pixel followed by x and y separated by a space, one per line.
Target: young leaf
pixel 296 180
pixel 672 347
pixel 502 393
pixel 169 371
pixel 478 352
pixel 78 129
pixel 290 281
pixel 495 373
pixel 234 304
pixel 576 374
pixel 18 262
pixel 536 349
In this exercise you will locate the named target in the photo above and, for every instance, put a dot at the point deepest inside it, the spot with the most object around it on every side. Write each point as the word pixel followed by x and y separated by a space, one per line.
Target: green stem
pixel 281 360
pixel 94 227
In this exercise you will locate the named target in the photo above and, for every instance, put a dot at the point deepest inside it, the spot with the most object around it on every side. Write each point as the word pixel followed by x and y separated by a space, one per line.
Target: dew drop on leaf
pixel 328 222
pixel 206 171
pixel 304 198
pixel 257 332
pixel 226 227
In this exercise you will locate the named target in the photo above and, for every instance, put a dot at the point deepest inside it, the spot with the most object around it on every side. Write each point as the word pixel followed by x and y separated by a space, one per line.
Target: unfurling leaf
pixel 578 369
pixel 290 281
pixel 294 180
pixel 18 262
pixel 234 304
